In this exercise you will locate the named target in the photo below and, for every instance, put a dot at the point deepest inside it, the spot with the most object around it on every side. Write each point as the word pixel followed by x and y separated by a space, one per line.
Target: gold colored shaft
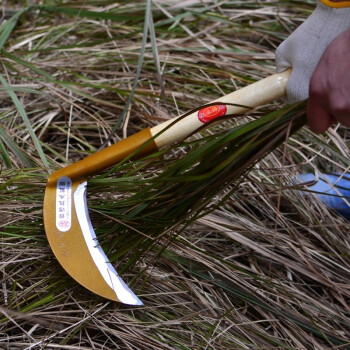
pixel 107 157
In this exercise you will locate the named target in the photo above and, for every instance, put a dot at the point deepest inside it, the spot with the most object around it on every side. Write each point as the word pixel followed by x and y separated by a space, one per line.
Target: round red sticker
pixel 210 113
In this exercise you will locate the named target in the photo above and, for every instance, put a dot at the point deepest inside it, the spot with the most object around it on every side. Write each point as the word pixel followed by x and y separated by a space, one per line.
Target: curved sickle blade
pixel 67 224
pixel 74 243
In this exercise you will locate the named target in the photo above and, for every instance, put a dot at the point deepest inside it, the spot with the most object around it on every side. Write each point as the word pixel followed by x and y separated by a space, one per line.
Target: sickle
pixel 66 218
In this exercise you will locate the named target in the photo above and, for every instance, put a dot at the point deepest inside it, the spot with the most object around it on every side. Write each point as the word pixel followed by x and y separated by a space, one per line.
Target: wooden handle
pixel 256 94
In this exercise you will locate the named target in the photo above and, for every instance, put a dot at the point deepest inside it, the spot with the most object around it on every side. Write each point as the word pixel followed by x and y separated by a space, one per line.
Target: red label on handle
pixel 210 113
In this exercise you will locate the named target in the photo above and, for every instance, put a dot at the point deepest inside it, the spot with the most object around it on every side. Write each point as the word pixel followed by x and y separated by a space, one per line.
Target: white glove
pixel 303 49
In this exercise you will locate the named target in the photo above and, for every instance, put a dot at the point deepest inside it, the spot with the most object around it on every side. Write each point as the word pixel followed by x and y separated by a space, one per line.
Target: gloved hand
pixel 303 49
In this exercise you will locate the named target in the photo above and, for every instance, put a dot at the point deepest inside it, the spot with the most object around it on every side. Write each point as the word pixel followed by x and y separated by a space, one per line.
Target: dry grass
pixel 267 269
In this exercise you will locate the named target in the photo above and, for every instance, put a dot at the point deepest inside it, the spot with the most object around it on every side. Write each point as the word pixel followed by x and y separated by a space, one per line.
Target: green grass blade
pixel 13 147
pixel 148 14
pixel 25 118
pixel 4 157
pixel 78 12
pixel 153 38
pixel 27 64
pixel 7 27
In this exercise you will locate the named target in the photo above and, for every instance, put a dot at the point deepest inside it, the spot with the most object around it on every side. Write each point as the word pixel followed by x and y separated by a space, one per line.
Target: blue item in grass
pixel 332 189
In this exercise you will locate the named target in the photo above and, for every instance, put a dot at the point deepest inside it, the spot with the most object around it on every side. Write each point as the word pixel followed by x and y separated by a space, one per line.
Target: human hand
pixel 329 92
pixel 302 51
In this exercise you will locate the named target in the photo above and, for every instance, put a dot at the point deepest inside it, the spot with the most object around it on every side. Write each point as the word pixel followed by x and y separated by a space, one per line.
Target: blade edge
pixel 124 294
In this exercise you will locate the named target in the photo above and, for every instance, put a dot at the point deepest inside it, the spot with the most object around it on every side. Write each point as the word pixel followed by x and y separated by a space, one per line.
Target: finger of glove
pixel 301 52
pixel 282 61
pixel 291 53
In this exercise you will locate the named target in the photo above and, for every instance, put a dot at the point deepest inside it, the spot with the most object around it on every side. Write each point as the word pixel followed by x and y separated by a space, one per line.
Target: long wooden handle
pixel 257 94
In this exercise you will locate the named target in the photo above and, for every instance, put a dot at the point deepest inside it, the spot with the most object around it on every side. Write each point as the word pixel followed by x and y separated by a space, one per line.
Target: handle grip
pixel 257 94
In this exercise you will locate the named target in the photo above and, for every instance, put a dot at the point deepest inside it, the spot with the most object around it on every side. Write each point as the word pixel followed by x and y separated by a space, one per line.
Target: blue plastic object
pixel 331 189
